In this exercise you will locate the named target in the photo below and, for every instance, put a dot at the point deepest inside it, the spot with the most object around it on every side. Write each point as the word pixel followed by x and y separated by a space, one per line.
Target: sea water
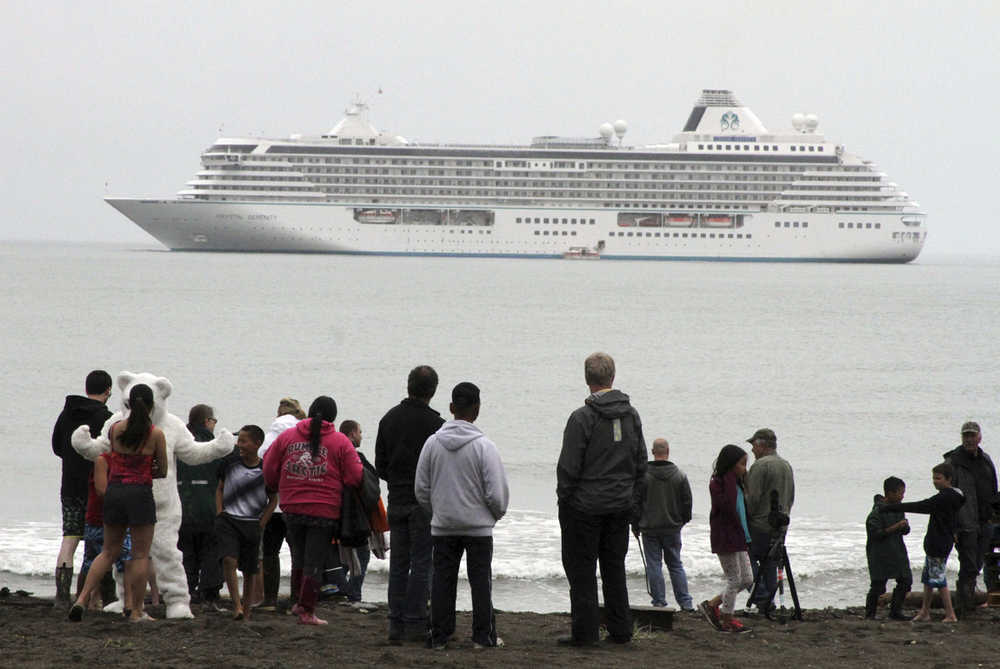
pixel 863 371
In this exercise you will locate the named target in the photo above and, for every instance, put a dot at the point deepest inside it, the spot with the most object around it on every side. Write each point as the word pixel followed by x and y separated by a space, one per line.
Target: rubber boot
pixel 64 582
pixel 108 587
pixel 272 579
pixel 896 605
pixel 871 604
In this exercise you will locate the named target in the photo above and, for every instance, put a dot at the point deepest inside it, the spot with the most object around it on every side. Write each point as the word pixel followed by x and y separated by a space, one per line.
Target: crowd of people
pixel 304 481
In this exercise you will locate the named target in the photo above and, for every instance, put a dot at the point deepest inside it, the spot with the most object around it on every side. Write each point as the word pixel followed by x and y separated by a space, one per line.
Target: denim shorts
pixel 933 574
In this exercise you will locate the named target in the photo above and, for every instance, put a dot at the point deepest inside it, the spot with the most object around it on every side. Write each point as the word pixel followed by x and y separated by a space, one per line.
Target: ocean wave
pixel 527 546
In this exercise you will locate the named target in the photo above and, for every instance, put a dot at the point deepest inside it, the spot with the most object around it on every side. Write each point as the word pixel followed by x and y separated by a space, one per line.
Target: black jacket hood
pixel 612 404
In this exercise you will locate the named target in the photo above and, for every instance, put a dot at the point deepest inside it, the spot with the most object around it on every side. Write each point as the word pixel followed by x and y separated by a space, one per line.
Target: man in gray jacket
pixel 666 510
pixel 770 473
pixel 461 482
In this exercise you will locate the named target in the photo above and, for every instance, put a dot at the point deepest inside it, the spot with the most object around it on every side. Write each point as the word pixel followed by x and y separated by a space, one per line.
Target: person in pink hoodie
pixel 309 465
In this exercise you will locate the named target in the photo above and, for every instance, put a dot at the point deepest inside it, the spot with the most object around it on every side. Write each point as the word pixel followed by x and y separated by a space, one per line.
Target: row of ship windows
pixel 859 226
pixel 293 158
pixel 683 235
pixel 791 224
pixel 571 221
pixel 565 233
pixel 756 147
pixel 464 231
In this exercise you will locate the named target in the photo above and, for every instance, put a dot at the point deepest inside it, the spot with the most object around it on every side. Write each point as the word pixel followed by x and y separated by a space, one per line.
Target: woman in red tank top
pixel 125 478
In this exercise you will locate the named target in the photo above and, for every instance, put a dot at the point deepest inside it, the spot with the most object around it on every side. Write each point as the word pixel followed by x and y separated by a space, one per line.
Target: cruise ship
pixel 724 188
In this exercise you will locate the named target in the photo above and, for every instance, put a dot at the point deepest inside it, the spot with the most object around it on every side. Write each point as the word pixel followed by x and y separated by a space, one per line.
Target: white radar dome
pixel 811 122
pixel 798 120
pixel 607 130
pixel 621 127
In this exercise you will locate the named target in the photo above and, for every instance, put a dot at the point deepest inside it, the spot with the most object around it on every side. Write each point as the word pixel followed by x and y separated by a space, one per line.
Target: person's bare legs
pixel 249 593
pixel 257 596
pixel 154 592
pixel 949 611
pixel 233 584
pixel 113 536
pixel 66 551
pixel 924 614
pixel 142 539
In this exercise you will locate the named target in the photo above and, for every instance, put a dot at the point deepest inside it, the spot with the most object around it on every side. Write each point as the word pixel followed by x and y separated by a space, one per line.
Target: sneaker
pixel 734 626
pixel 572 641
pixel 481 646
pixel 711 614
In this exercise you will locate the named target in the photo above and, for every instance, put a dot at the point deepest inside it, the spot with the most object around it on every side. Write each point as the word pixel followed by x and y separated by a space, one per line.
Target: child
pixel 244 506
pixel 887 558
pixel 939 539
pixel 729 537
pixel 93 544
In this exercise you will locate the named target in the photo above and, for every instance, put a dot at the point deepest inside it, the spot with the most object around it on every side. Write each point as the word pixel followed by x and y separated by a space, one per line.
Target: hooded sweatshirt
pixel 602 466
pixel 76 469
pixel 886 552
pixel 668 498
pixel 311 486
pixel 461 481
pixel 943 509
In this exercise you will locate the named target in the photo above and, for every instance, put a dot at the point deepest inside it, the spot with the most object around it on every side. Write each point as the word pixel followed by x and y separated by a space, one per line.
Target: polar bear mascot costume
pixel 167 560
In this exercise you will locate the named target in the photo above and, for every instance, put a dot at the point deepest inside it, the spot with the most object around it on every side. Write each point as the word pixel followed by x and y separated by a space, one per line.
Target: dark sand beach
pixel 33 634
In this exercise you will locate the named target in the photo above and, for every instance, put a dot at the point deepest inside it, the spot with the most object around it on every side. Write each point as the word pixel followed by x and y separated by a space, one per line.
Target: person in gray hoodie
pixel 461 482
pixel 666 510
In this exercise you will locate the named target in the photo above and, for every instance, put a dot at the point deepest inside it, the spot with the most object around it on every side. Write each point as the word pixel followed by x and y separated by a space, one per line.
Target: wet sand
pixel 34 634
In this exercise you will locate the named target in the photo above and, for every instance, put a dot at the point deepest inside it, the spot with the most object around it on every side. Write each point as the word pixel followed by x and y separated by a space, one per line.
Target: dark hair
pixel 892 484
pixel 349 426
pixel 944 469
pixel 422 382
pixel 140 403
pixel 255 433
pixel 98 382
pixel 323 408
pixel 199 414
pixel 728 457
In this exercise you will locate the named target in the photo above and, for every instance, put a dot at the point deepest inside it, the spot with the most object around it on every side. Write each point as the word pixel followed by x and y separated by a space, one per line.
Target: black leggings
pixel 309 545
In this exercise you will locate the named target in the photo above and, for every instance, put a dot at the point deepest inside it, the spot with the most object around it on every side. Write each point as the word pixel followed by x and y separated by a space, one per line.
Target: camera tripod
pixel 777 552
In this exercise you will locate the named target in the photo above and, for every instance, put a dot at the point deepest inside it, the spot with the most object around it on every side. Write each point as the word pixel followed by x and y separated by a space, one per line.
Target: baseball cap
pixel 971 426
pixel 765 434
pixel 465 395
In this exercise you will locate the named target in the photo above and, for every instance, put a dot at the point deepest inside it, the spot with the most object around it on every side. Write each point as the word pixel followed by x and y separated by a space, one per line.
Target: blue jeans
pixel 354 581
pixel 409 566
pixel 665 547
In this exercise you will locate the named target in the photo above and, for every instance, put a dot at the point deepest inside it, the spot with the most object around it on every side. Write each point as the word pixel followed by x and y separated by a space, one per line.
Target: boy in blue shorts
pixel 244 506
pixel 943 509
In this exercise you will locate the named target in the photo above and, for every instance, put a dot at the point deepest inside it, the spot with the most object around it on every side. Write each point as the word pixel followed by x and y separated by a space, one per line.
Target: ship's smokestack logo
pixel 730 121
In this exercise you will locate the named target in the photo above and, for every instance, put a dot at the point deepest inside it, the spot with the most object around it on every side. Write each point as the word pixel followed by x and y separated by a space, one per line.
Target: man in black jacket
pixel 91 410
pixel 401 436
pixel 600 486
pixel 976 477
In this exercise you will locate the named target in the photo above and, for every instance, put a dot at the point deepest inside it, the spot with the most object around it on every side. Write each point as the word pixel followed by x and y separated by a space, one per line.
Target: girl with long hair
pixel 309 465
pixel 729 537
pixel 125 478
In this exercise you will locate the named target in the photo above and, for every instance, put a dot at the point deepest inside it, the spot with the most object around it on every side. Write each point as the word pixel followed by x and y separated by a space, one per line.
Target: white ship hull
pixel 197 225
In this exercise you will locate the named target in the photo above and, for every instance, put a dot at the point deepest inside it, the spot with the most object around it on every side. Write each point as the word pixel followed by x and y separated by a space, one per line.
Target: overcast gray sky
pixel 129 93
